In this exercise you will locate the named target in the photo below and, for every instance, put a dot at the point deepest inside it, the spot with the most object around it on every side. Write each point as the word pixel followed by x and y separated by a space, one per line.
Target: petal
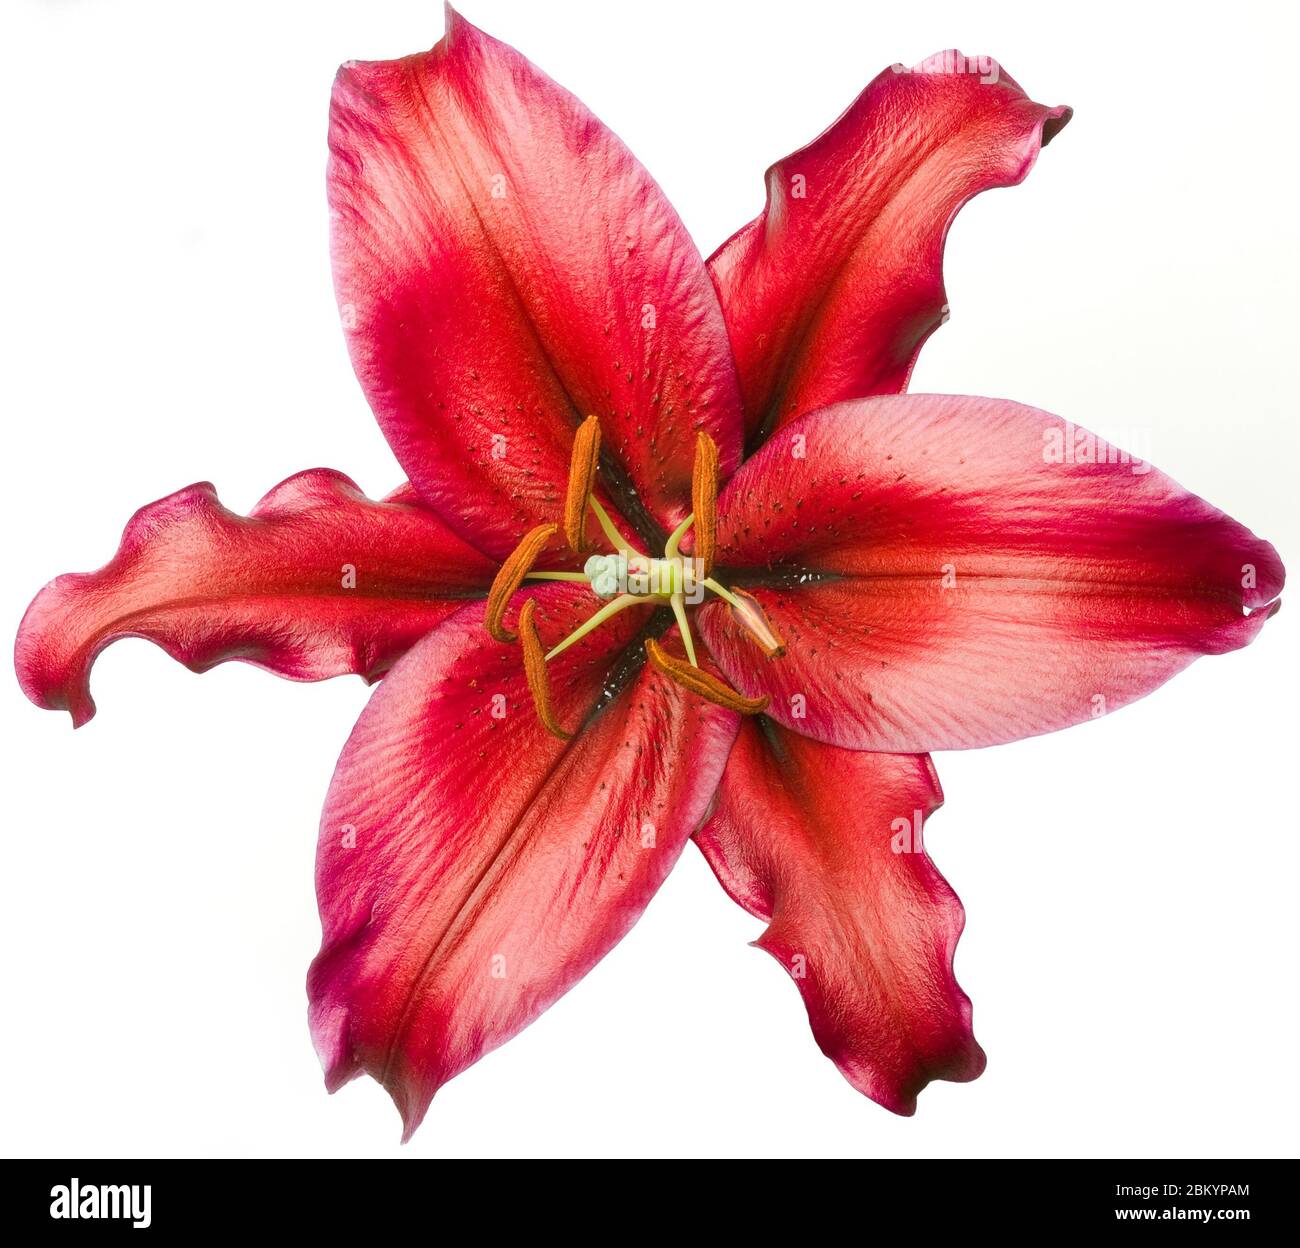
pixel 505 268
pixel 826 846
pixel 949 572
pixel 471 868
pixel 831 291
pixel 316 581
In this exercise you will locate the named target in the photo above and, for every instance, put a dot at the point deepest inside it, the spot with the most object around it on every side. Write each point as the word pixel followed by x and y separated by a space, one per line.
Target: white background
pixel 167 317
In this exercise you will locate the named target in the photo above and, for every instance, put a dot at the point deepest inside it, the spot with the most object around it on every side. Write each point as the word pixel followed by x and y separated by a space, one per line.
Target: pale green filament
pixel 678 604
pixel 607 525
pixel 670 551
pixel 723 592
pixel 621 603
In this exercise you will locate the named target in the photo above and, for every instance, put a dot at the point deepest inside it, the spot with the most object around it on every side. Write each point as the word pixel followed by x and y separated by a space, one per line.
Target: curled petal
pixel 472 867
pixel 949 572
pixel 318 580
pixel 830 293
pixel 826 846
pixel 506 268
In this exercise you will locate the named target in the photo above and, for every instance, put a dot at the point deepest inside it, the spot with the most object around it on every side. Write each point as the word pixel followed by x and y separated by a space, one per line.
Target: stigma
pixel 644 577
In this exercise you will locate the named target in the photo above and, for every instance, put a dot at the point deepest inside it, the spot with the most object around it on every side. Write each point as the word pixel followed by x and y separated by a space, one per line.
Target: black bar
pixel 339 1197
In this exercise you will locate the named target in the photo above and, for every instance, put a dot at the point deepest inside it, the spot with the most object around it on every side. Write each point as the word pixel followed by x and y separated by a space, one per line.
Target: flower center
pixel 627 578
pixel 642 577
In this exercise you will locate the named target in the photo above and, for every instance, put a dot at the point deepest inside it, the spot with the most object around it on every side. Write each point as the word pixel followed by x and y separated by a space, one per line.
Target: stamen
pixel 700 682
pixel 511 575
pixel 582 479
pixel 670 550
pixel 747 612
pixel 535 672
pixel 621 603
pixel 678 604
pixel 645 582
pixel 704 499
pixel 615 538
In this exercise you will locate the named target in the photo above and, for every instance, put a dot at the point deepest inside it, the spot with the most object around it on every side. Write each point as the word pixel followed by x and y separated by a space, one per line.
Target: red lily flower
pixel 677 559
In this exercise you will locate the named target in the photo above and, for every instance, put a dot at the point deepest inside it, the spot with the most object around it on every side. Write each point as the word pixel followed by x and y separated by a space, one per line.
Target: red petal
pixel 506 268
pixel 829 294
pixel 472 869
pixel 271 588
pixel 975 590
pixel 858 916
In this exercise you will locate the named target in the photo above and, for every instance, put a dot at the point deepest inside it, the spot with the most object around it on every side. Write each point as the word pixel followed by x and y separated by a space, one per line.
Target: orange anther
pixel 511 575
pixel 582 480
pixel 700 682
pixel 539 684
pixel 704 499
